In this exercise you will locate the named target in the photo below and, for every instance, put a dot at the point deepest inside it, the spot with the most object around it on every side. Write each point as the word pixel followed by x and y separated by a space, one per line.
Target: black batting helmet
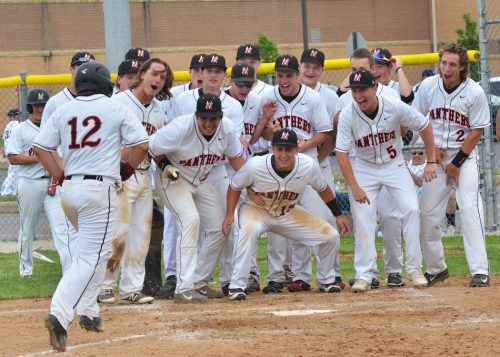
pixel 36 96
pixel 93 77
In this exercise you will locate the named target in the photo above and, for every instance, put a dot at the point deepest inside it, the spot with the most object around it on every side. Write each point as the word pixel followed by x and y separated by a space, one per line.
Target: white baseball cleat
pixel 190 296
pixel 360 286
pixel 418 280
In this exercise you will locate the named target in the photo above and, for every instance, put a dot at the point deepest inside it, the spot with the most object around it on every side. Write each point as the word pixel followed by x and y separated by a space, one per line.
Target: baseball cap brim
pixel 214 65
pixel 209 114
pixel 243 79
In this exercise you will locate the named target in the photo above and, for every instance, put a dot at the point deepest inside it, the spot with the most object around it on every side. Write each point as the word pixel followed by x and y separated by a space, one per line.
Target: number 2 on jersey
pixel 95 123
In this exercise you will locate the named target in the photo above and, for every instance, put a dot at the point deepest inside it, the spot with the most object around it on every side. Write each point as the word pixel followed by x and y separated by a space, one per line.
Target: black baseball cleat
pixel 394 280
pixel 273 287
pixel 479 281
pixel 237 294
pixel 91 324
pixel 434 278
pixel 57 333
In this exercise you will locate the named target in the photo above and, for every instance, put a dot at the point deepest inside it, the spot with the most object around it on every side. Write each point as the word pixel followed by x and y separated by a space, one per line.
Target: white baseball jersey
pixel 251 116
pixel 261 87
pixel 185 103
pixel 280 194
pixel 91 136
pixel 8 132
pixel 329 97
pixel 394 85
pixel 152 117
pixel 346 99
pixel 169 104
pixel 55 102
pixel 190 152
pixel 452 115
pixel 306 114
pixel 377 140
pixel 179 89
pixel 21 143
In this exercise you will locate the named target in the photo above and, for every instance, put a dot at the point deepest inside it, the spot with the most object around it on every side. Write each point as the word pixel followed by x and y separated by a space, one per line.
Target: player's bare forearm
pixel 315 141
pixel 345 166
pixel 125 154
pixel 18 159
pixel 137 154
pixel 237 162
pixel 327 147
pixel 232 198
pixel 417 180
pixel 471 140
pixel 49 162
pixel 327 194
pixel 405 88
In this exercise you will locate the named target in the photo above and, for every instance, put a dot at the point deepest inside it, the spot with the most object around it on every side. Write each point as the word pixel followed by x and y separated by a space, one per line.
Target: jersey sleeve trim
pixel 45 147
pixel 424 125
pixel 342 150
pixel 481 126
pixel 135 143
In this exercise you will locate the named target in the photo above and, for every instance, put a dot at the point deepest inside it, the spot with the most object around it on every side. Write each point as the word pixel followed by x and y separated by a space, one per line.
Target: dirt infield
pixel 448 319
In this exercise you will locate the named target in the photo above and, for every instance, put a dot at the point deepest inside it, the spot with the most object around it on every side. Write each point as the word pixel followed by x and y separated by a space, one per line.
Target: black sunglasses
pixel 243 84
pixel 417 152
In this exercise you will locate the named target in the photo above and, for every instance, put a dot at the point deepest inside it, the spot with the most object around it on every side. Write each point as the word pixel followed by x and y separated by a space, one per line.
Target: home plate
pixel 300 312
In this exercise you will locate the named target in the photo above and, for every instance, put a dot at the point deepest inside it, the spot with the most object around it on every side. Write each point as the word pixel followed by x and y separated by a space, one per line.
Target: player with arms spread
pixel 458 109
pixel 371 124
pixel 279 179
pixel 90 131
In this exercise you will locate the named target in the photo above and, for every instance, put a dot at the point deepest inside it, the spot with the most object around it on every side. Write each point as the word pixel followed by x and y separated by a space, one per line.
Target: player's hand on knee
pixel 343 225
pixel 226 225
pixel 452 172
pixel 255 198
pixel 360 196
pixel 430 172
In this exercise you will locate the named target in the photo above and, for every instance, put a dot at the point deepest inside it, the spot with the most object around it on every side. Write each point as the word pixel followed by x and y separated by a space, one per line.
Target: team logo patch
pixel 215 59
pixel 135 64
pixel 313 53
pixel 357 77
pixel 285 61
pixel 201 59
pixel 140 53
pixel 40 96
pixel 284 135
pixel 244 71
pixel 87 57
pixel 209 105
pixel 248 50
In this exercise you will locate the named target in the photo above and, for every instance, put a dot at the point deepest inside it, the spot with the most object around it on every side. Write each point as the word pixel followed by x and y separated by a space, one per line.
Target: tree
pixel 469 38
pixel 268 49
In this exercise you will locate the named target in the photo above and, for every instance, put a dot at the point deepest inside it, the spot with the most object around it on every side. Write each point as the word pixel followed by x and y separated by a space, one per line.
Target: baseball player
pixel 213 74
pixel 193 144
pixel 426 73
pixel 90 131
pixel 311 69
pixel 458 110
pixel 279 179
pixel 68 93
pixel 32 189
pixel 301 109
pixel 153 79
pixel 171 229
pixel 372 125
pixel 242 81
pixel 361 59
pixel 250 54
pixel 9 184
pixel 127 74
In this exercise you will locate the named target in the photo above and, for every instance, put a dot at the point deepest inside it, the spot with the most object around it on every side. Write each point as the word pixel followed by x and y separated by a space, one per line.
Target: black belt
pixel 43 177
pixel 86 177
pixel 261 153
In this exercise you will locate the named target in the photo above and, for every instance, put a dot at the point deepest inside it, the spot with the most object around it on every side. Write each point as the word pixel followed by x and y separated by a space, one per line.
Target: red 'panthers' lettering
pixel 249 128
pixel 204 159
pixel 377 139
pixel 293 121
pixel 285 195
pixel 450 115
pixel 150 129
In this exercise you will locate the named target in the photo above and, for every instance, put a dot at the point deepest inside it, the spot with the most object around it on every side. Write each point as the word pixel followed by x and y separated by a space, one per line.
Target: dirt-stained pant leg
pixel 140 199
pixel 94 203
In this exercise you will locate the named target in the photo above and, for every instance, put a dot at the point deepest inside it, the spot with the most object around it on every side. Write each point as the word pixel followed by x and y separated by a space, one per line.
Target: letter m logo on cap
pixel 244 71
pixel 140 53
pixel 215 59
pixel 313 53
pixel 209 105
pixel 201 59
pixel 357 77
pixel 284 135
pixel 248 50
pixel 285 61
pixel 87 57
pixel 40 96
pixel 135 64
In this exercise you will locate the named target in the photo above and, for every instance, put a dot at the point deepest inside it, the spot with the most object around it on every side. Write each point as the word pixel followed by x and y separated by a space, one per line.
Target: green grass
pixel 8 198
pixel 46 276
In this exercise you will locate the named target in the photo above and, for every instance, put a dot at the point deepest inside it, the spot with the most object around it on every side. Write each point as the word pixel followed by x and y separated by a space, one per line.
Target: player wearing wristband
pixel 279 179
pixel 458 110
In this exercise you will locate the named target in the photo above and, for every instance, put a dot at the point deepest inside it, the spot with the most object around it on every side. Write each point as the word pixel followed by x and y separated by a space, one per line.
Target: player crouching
pixel 279 179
